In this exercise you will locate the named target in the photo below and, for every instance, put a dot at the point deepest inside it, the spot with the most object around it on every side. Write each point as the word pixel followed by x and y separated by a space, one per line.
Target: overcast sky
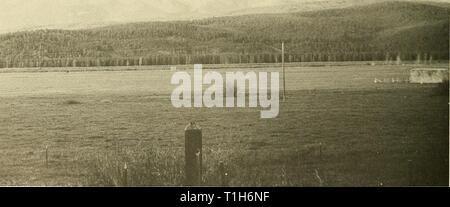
pixel 27 14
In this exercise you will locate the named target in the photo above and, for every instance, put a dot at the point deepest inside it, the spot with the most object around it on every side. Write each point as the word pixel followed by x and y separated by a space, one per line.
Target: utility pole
pixel 284 73
pixel 40 56
pixel 282 68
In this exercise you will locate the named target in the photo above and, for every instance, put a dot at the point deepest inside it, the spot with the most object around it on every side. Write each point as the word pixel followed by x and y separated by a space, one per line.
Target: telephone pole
pixel 282 68
pixel 284 73
pixel 40 56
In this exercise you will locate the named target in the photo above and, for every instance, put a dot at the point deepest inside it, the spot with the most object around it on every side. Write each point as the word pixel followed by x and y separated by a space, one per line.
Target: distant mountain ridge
pixel 304 6
pixel 50 14
pixel 365 32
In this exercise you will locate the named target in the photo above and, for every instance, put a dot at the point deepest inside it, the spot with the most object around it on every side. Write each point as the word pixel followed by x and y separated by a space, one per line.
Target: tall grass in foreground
pixel 151 167
pixel 165 167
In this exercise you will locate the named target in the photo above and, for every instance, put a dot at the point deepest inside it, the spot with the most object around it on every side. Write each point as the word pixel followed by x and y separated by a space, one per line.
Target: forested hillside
pixel 359 33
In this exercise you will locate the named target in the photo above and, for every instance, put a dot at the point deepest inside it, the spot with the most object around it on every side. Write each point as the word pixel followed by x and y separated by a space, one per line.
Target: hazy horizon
pixel 17 15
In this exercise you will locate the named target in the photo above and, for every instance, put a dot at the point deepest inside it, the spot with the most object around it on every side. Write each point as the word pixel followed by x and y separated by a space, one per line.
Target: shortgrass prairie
pixel 336 128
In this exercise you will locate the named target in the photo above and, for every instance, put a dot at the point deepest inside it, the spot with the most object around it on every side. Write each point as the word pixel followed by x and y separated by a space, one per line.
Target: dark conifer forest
pixel 364 33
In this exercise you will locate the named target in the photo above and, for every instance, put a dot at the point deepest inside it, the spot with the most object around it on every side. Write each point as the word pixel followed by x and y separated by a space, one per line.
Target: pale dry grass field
pixel 337 128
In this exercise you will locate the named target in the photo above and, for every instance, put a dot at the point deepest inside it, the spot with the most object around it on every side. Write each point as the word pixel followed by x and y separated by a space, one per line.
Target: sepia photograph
pixel 224 93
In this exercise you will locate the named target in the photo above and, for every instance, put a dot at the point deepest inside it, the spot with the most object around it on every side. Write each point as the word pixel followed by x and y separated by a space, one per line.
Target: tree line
pixel 218 59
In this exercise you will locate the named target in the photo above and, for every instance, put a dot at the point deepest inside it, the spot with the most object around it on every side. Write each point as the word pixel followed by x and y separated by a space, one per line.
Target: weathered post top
pixel 192 126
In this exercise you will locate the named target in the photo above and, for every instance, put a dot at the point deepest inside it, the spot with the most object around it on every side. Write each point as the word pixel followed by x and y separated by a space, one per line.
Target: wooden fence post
pixel 223 175
pixel 320 151
pixel 125 175
pixel 46 156
pixel 193 154
pixel 386 59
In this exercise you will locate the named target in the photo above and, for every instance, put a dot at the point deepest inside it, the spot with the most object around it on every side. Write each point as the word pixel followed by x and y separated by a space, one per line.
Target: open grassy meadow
pixel 336 128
